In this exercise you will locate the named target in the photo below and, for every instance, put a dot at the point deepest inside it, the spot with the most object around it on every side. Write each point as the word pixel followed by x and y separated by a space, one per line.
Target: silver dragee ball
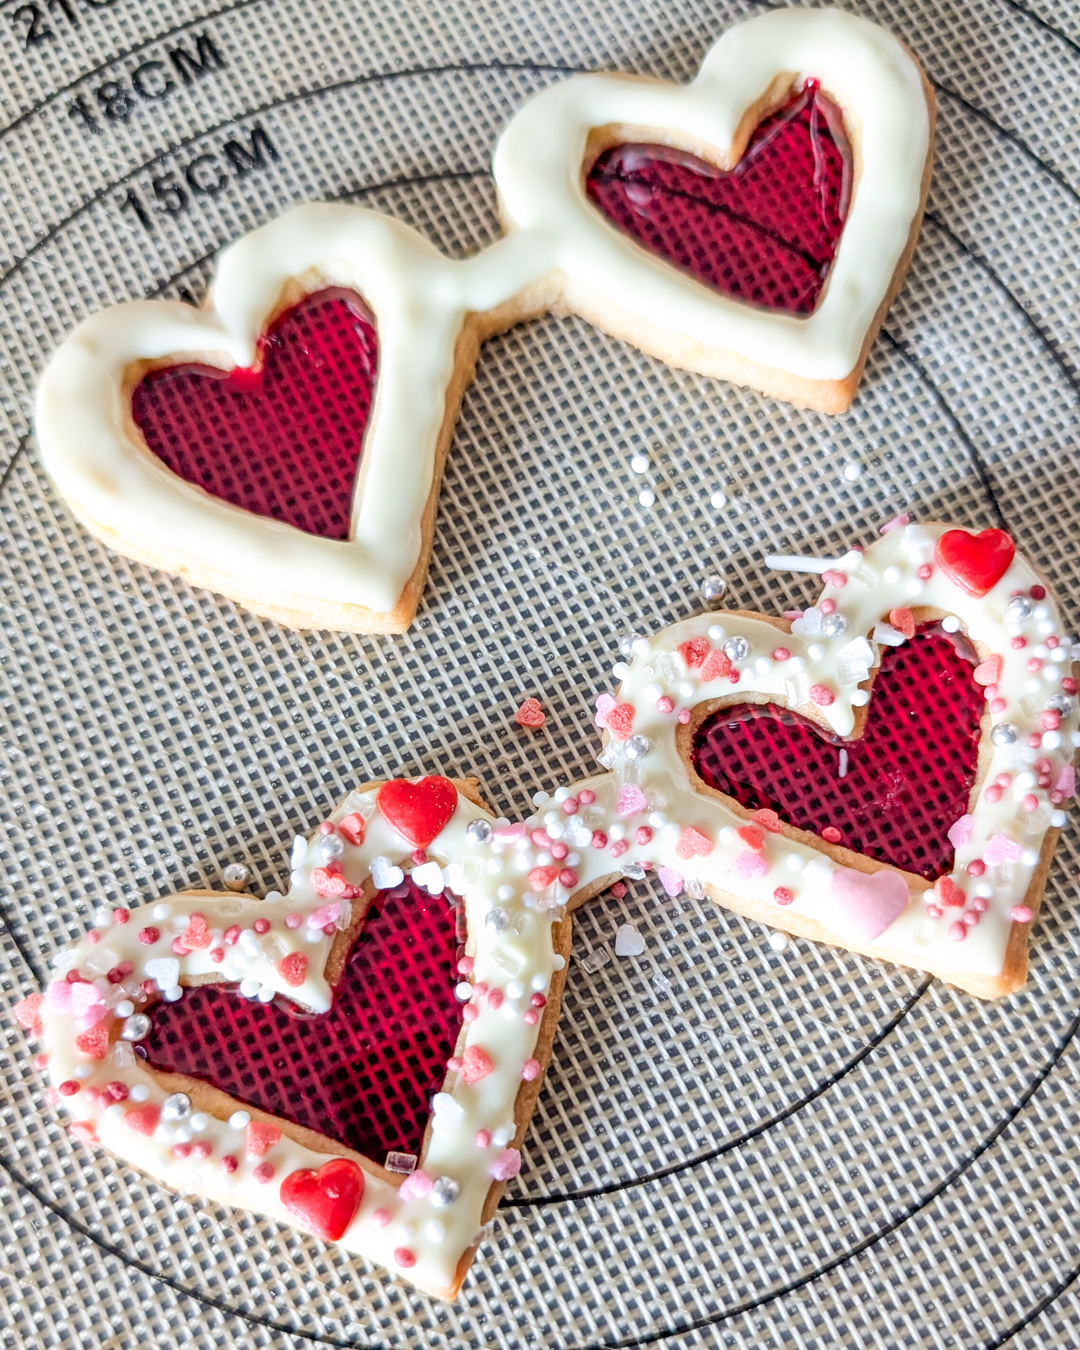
pixel 736 648
pixel 1003 734
pixel 1018 609
pixel 713 589
pixel 478 831
pixel 444 1191
pixel 235 876
pixel 637 747
pixel 136 1027
pixel 176 1106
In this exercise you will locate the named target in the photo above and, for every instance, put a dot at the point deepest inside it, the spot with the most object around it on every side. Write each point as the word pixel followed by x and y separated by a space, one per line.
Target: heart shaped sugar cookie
pixel 935 853
pixel 173 1039
pixel 754 224
pixel 284 445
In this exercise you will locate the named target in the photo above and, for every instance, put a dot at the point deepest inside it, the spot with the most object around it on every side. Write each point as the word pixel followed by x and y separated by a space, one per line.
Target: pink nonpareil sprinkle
pixel 530 1070
pixel 1021 914
pixel 665 704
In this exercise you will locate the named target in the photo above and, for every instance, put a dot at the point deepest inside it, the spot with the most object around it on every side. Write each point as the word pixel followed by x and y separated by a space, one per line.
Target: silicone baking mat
pixel 735 1145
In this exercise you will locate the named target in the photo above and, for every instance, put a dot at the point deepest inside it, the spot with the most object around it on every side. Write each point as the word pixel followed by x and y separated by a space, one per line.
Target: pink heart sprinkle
pixel 58 995
pixel 749 865
pixel 1065 782
pixel 692 843
pixel 631 800
pixel 506 1165
pixel 83 998
pixel 671 881
pixel 415 1186
pixel 960 831
pixel 475 1064
pixel 1001 849
pixel 868 902
pixel 604 704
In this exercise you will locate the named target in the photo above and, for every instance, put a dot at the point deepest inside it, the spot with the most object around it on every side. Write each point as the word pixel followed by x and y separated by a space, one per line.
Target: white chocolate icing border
pixel 517 960
pixel 539 159
pixel 876 581
pixel 518 879
pixel 419 300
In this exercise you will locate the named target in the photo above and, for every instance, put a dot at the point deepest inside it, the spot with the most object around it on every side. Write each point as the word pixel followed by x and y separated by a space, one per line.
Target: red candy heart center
pixel 283 440
pixel 767 231
pixel 907 779
pixel 976 562
pixel 418 811
pixel 325 1201
pixel 362 1074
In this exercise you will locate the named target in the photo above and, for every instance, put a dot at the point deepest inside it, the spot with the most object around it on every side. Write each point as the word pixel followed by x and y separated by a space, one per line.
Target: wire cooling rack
pixel 735 1145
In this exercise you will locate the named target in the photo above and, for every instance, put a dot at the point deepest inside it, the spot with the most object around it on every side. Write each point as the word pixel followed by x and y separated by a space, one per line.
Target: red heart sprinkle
pixel 94 1043
pixel 196 934
pixel 144 1119
pixel 530 715
pixel 716 666
pixel 903 621
pixel 693 843
pixel 325 1201
pixel 752 837
pixel 353 829
pixel 949 893
pixel 694 651
pixel 976 562
pixel 542 877
pixel 988 671
pixel 293 969
pixel 259 1138
pixel 418 811
pixel 620 721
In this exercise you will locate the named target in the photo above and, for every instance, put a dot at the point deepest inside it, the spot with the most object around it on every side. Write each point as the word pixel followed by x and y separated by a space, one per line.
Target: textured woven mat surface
pixel 735 1146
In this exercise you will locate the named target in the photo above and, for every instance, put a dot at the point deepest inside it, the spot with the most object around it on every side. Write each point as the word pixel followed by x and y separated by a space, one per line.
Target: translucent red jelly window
pixel 767 232
pixel 283 440
pixel 362 1074
pixel 907 779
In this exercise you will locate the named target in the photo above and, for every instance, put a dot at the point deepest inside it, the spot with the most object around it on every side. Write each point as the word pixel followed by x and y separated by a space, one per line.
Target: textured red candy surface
pixel 284 440
pixel 767 231
pixel 909 776
pixel 363 1073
